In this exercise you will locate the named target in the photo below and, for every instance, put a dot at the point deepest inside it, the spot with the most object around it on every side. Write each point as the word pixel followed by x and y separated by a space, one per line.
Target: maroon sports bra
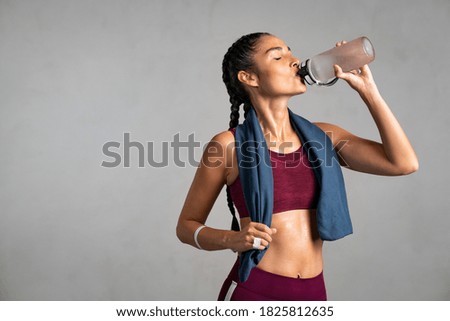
pixel 294 183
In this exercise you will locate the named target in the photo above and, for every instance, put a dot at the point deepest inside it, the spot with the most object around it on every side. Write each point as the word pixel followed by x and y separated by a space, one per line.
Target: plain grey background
pixel 75 75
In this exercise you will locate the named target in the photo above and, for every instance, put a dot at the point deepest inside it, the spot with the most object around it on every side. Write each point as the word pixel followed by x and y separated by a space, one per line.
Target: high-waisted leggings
pixel 265 286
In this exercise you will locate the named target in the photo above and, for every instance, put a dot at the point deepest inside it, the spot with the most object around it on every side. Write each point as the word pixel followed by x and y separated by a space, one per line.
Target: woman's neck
pixel 273 116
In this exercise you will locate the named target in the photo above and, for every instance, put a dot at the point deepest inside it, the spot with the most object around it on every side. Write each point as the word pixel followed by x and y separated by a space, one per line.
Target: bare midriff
pixel 296 248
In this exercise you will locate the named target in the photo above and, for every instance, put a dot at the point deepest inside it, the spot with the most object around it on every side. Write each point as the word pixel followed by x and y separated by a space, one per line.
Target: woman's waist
pixel 296 248
pixel 293 257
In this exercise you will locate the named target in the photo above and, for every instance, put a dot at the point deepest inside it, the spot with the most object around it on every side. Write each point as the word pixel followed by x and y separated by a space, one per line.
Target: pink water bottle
pixel 319 70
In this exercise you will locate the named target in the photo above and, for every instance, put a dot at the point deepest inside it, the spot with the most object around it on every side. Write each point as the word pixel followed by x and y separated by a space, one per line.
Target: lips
pixel 301 79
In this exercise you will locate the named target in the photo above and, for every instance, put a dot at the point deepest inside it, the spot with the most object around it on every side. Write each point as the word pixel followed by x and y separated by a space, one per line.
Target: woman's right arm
pixel 209 179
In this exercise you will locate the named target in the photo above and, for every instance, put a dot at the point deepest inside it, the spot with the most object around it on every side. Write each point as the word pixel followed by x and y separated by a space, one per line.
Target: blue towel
pixel 255 172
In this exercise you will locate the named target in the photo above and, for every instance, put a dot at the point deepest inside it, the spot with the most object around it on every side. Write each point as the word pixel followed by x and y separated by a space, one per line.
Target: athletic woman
pixel 261 73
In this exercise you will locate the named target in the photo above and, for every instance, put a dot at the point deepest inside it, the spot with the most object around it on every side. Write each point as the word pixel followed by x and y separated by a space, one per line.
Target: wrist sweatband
pixel 196 235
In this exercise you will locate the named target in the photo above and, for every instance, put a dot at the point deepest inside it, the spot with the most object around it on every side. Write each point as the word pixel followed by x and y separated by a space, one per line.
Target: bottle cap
pixel 309 78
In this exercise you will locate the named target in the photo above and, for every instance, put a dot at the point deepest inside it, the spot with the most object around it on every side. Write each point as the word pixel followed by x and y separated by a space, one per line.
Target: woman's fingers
pixel 255 242
pixel 264 228
pixel 347 75
pixel 263 231
pixel 253 235
pixel 262 244
pixel 258 231
pixel 338 72
pixel 359 78
pixel 365 71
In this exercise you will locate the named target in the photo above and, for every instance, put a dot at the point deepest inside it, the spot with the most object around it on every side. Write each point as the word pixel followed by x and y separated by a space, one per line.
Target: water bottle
pixel 352 55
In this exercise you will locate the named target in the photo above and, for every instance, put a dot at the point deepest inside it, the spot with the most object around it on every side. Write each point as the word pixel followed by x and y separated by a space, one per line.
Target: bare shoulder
pixel 223 141
pixel 327 126
pixel 334 132
pixel 224 138
pixel 221 146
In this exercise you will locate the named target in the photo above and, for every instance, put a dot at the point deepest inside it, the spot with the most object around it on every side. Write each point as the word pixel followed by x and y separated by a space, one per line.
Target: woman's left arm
pixel 394 156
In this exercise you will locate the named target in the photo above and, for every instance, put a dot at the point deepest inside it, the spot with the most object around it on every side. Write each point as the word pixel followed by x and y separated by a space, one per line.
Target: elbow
pixel 411 167
pixel 415 166
pixel 179 233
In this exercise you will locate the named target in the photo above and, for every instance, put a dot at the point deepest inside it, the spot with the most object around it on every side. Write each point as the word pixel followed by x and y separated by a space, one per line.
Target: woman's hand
pixel 243 240
pixel 394 155
pixel 360 80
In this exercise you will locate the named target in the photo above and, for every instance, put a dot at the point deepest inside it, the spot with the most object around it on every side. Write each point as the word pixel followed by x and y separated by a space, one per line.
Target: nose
pixel 295 63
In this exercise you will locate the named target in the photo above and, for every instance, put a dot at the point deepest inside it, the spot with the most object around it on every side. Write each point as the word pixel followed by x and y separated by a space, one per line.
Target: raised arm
pixel 394 155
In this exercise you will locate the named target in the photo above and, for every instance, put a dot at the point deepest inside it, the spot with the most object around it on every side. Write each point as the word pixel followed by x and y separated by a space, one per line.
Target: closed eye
pixel 278 58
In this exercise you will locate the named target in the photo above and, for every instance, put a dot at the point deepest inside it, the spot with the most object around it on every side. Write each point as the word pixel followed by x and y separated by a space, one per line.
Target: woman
pixel 260 73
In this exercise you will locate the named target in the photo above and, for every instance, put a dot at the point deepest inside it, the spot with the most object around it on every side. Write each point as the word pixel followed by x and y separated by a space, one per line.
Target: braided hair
pixel 238 57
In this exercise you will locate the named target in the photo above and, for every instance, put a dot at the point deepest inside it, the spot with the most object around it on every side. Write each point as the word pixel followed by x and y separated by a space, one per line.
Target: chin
pixel 302 90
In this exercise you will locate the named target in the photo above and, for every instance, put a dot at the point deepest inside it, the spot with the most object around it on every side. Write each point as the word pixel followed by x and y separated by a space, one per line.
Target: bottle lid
pixel 304 72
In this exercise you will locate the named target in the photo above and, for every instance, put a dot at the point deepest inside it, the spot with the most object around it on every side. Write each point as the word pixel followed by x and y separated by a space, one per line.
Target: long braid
pixel 238 57
pixel 247 107
pixel 234 115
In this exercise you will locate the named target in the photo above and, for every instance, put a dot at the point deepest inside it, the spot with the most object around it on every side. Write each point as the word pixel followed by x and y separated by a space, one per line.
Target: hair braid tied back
pixel 238 57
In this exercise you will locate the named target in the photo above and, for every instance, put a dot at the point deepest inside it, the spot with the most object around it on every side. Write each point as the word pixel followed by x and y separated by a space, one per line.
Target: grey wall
pixel 77 74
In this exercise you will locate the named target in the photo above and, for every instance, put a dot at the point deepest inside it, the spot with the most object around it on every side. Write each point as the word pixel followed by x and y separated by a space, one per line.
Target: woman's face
pixel 276 69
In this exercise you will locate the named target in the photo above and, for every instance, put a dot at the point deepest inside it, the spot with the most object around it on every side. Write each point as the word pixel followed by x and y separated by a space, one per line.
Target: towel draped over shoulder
pixel 255 172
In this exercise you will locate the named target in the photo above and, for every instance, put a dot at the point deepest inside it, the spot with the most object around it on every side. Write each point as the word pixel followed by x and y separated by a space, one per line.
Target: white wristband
pixel 196 235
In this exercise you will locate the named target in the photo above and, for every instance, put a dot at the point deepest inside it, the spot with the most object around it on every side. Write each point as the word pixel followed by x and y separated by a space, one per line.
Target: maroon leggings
pixel 266 286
